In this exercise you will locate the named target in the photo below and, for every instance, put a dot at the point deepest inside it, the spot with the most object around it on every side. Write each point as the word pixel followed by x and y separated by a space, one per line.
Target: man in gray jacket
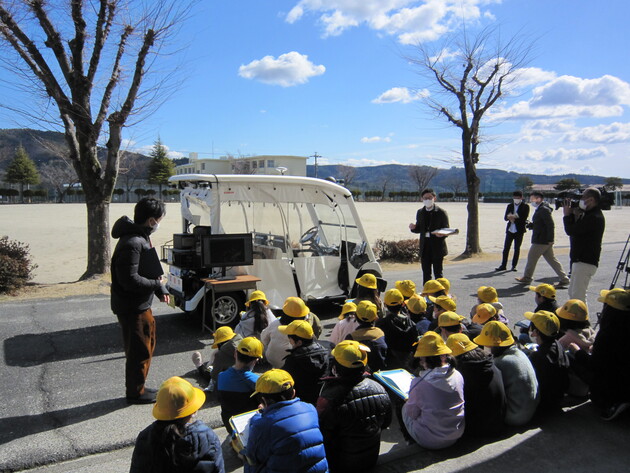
pixel 543 229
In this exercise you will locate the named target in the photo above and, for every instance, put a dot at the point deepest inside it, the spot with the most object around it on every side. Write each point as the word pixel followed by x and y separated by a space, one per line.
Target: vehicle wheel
pixel 227 308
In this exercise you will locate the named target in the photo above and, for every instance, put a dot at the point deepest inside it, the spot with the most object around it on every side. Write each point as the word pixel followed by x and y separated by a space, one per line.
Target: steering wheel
pixel 309 236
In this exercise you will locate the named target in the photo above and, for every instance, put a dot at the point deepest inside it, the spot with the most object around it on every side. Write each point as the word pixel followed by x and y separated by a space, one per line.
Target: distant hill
pixel 492 180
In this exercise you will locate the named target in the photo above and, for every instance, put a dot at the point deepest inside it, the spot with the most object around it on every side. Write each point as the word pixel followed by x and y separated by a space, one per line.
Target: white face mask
pixel 535 204
pixel 582 205
pixel 517 201
pixel 428 203
pixel 155 227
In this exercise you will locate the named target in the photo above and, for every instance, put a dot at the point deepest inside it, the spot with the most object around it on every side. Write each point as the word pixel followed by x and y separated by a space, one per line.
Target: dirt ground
pixel 57 233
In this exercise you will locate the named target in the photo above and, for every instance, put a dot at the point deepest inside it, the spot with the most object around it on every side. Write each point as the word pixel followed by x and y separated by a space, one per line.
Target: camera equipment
pixel 605 202
pixel 622 266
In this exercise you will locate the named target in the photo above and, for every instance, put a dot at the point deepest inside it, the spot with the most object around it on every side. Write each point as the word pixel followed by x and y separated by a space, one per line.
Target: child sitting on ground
pixel 285 435
pixel 176 441
pixel 347 323
pixel 435 289
pixel 236 385
pixel 307 361
pixel 434 413
pixel 225 342
pixel 367 290
pixel 400 331
pixel 484 313
pixel 370 335
pixel 549 360
pixel 545 297
pixel 483 386
pixel 440 304
pixel 489 295
pixel 406 287
pixel 276 343
pixel 417 308
pixel 450 323
pixel 257 317
pixel 519 378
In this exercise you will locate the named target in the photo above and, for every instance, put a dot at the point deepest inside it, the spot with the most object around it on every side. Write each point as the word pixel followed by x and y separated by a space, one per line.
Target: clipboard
pixel 149 265
pixel 399 381
pixel 240 427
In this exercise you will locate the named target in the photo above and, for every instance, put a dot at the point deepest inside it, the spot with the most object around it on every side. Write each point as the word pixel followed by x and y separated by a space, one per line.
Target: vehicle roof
pixel 295 181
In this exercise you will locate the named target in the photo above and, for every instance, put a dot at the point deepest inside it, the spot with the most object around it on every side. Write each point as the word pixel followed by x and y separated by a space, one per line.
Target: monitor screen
pixel 227 249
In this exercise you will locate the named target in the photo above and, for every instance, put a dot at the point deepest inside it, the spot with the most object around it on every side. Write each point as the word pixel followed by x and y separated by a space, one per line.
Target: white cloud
pixel 287 70
pixel 400 94
pixel 537 130
pixel 411 20
pixel 560 155
pixel 572 97
pixel 528 76
pixel 613 133
pixel 376 139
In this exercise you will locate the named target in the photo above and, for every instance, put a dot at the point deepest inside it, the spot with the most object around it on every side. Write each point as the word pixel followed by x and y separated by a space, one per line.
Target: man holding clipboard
pixel 136 277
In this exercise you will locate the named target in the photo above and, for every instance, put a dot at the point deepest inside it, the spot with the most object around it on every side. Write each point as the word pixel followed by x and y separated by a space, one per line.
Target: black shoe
pixel 514 269
pixel 501 268
pixel 614 410
pixel 147 397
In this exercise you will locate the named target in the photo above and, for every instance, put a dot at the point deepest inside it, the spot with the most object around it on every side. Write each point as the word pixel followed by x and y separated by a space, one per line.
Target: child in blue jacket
pixel 285 435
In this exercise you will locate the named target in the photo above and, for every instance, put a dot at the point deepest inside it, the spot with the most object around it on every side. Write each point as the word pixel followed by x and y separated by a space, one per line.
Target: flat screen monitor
pixel 226 250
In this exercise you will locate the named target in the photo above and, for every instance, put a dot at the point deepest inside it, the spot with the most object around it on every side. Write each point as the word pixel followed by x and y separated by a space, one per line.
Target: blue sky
pixel 329 76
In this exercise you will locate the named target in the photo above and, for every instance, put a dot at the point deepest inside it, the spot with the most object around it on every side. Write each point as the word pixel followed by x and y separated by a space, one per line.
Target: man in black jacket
pixel 543 233
pixel 585 227
pixel 432 247
pixel 135 280
pixel 516 215
pixel 353 409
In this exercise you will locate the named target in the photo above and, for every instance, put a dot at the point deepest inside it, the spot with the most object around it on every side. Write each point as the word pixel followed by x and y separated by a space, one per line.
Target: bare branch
pixel 103 27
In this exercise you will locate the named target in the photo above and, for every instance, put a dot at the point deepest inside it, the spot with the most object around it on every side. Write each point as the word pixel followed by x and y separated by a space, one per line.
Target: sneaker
pixel 514 269
pixel 613 411
pixel 561 284
pixel 147 397
pixel 501 268
pixel 196 359
pixel 524 280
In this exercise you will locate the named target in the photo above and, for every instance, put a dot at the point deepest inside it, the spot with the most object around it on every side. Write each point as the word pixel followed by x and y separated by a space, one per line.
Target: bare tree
pixel 469 75
pixel 347 173
pixel 60 175
pixel 90 60
pixel 240 165
pixel 456 184
pixel 422 176
pixel 385 180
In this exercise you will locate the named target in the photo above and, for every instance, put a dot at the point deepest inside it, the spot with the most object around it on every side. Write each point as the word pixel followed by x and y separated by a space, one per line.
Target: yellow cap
pixel 573 309
pixel 459 343
pixel 351 354
pixel 431 344
pixel 394 297
pixel 545 290
pixel 295 307
pixel 257 296
pixel 444 302
pixel 487 294
pixel 416 304
pixel 406 287
pixel 250 346
pixel 367 280
pixel 347 307
pixel 617 298
pixel 299 328
pixel 367 311
pixel 483 313
pixel 545 321
pixel 449 319
pixel 445 283
pixel 431 287
pixel 177 398
pixel 223 334
pixel 495 334
pixel 273 381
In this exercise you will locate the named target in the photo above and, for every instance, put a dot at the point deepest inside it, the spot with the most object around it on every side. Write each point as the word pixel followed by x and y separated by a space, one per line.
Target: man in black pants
pixel 135 280
pixel 432 247
pixel 516 215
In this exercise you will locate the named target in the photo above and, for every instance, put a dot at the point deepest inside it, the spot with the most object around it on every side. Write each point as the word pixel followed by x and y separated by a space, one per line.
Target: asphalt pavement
pixel 62 406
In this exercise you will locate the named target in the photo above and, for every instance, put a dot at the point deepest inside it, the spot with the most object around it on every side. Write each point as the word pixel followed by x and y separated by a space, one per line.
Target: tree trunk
pixel 98 251
pixel 472 184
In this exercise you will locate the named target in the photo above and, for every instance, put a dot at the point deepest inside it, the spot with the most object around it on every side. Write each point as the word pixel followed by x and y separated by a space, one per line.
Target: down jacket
pixel 307 365
pixel 198 451
pixel 131 292
pixel 352 413
pixel 285 437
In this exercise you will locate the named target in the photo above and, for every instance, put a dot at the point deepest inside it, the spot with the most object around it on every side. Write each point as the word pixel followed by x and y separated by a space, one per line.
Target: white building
pixel 266 164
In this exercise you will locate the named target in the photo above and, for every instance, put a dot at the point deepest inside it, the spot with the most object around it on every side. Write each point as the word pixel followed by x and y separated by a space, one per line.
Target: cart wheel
pixel 227 308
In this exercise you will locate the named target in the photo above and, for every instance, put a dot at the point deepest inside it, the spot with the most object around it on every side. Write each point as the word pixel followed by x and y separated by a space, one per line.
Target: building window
pixel 254 164
pixel 271 163
pixel 261 163
pixel 203 166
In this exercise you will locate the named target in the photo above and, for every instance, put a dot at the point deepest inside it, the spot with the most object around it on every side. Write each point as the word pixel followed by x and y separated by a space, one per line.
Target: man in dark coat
pixel 516 215
pixel 353 410
pixel 543 233
pixel 432 246
pixel 136 277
